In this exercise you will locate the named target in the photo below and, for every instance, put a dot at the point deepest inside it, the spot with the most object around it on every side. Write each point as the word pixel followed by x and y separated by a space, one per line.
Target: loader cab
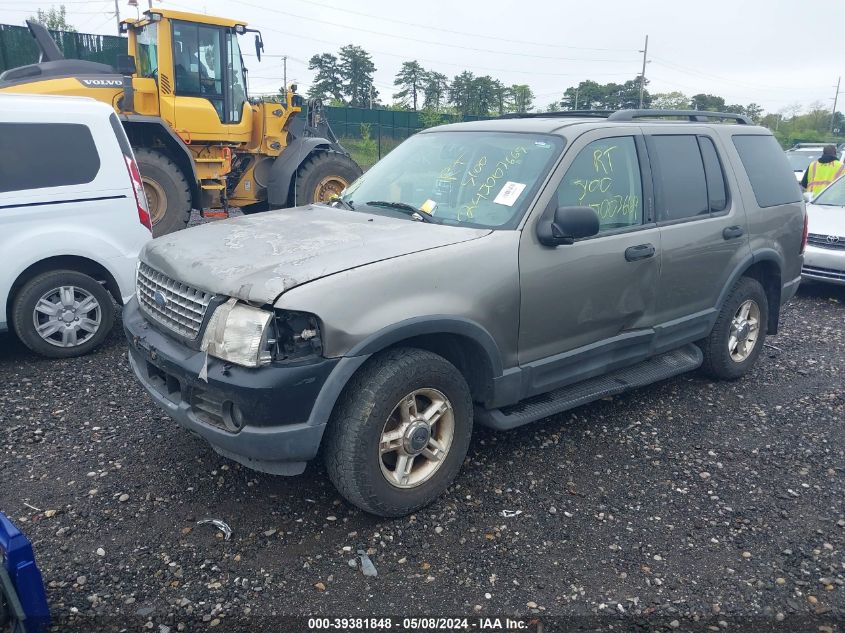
pixel 198 68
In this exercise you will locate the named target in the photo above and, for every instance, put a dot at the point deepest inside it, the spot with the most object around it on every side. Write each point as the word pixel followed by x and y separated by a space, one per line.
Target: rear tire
pixel 323 175
pixel 739 333
pixel 167 189
pixel 84 313
pixel 377 402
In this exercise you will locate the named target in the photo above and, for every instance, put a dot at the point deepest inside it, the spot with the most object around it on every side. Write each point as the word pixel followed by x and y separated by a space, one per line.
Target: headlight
pixel 239 334
pixel 296 336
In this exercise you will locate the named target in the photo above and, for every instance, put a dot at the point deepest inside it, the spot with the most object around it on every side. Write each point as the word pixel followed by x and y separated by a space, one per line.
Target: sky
pixel 768 52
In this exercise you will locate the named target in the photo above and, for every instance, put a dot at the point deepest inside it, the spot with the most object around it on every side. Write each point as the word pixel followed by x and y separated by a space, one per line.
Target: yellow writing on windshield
pixel 490 183
pixel 451 172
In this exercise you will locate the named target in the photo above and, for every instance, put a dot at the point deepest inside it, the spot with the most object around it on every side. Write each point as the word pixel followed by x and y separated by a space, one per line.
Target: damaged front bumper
pixel 269 419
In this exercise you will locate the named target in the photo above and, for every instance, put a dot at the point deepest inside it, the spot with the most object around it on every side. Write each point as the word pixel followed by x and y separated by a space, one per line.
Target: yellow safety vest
pixel 820 175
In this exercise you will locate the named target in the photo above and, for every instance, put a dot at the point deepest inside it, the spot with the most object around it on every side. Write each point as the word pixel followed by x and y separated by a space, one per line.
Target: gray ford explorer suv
pixel 494 272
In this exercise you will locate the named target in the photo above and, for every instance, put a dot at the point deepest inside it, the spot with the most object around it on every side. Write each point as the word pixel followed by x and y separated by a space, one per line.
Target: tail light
pixel 806 232
pixel 140 196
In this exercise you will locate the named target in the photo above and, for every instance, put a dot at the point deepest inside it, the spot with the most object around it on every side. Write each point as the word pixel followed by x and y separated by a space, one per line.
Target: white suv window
pixel 40 155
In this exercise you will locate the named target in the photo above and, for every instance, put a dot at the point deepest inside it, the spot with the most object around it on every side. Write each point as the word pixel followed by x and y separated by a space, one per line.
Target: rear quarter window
pixel 41 155
pixel 772 179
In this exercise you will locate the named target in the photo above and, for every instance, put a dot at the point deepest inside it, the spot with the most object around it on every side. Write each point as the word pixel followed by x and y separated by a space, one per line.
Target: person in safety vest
pixel 823 171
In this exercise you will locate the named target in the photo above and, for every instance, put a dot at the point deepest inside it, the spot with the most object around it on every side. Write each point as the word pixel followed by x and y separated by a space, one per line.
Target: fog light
pixel 233 417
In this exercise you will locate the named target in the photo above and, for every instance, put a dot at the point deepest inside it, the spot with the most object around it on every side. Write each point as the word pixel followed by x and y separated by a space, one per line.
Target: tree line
pixel 347 79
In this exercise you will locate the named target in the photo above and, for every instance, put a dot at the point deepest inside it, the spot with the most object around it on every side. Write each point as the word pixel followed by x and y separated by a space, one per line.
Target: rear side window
pixel 772 179
pixel 39 155
pixel 717 192
pixel 679 180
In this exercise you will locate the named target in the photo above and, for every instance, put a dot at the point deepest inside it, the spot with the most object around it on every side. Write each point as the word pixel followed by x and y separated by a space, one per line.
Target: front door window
pixel 197 58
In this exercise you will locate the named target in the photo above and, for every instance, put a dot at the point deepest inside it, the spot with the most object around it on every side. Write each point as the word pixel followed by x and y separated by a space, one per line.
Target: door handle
pixel 641 251
pixel 733 232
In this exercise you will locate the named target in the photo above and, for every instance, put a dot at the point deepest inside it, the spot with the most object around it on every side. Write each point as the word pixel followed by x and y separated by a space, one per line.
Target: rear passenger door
pixel 703 230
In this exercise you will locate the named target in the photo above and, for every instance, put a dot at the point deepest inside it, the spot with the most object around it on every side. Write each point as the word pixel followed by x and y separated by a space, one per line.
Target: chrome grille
pixel 180 308
pixel 835 242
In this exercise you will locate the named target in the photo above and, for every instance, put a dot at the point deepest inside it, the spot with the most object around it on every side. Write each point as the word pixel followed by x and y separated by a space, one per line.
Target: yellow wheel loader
pixel 201 143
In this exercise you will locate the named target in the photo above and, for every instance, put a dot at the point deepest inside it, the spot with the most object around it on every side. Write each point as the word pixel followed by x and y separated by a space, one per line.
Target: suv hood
pixel 826 220
pixel 258 257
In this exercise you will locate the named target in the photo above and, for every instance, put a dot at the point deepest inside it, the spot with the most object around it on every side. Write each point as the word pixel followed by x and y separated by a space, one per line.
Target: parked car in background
pixel 802 154
pixel 73 217
pixel 824 259
pixel 493 272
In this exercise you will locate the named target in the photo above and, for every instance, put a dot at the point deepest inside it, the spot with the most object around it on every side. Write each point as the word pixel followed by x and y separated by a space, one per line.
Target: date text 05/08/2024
pixel 425 624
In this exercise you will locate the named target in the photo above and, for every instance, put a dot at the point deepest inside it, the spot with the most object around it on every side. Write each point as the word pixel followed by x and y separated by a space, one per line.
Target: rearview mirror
pixel 567 225
pixel 126 65
pixel 259 46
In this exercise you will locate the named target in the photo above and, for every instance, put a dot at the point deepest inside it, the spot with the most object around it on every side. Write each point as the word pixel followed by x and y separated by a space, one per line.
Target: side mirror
pixel 566 225
pixel 259 46
pixel 126 65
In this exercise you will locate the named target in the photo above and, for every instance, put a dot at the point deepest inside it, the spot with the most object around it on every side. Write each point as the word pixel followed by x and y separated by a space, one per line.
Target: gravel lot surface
pixel 687 500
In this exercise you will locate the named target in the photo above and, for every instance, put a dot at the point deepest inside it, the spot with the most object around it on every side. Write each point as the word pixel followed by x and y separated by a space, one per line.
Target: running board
pixel 654 369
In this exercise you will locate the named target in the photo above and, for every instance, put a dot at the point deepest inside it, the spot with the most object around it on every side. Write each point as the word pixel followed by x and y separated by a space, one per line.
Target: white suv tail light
pixel 140 196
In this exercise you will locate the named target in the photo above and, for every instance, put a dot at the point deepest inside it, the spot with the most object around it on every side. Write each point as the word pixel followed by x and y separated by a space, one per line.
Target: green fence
pixel 17 48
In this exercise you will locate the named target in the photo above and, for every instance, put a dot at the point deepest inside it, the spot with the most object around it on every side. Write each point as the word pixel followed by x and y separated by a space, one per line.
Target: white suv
pixel 73 217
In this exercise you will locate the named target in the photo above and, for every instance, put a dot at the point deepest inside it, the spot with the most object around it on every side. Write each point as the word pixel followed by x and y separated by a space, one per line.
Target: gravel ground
pixel 690 500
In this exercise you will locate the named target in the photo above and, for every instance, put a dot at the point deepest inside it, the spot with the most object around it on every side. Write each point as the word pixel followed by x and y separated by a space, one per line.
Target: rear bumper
pixel 278 433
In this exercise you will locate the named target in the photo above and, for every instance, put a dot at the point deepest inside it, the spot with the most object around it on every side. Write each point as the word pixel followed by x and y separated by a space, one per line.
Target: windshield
pixel 147 38
pixel 482 179
pixel 833 196
pixel 801 160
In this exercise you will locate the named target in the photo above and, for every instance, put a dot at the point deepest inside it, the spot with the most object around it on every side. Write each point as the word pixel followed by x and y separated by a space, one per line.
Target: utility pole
pixel 577 88
pixel 371 96
pixel 642 77
pixel 117 15
pixel 835 101
pixel 285 72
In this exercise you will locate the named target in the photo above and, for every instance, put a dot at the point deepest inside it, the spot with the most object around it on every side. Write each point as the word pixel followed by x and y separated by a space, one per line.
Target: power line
pixel 438 61
pixel 452 32
pixel 429 42
pixel 743 84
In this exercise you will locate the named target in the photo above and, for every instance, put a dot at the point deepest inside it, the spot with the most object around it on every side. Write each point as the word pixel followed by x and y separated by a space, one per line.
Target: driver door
pixel 589 306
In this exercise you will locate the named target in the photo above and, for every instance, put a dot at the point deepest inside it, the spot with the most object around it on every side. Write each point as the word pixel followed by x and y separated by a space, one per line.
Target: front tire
pixel 62 313
pixel 400 432
pixel 167 191
pixel 739 333
pixel 323 176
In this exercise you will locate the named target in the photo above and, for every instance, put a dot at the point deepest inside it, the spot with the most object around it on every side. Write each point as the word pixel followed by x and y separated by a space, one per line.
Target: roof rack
pixel 555 115
pixel 701 116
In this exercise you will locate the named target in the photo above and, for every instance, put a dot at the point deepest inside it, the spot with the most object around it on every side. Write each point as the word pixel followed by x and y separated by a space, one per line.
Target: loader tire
pixel 322 176
pixel 167 189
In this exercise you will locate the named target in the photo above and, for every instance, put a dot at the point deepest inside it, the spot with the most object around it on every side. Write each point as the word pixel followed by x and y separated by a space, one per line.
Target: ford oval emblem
pixel 160 300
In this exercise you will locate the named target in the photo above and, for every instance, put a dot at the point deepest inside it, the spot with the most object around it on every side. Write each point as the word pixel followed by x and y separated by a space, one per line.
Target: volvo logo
pixel 102 83
pixel 833 239
pixel 160 300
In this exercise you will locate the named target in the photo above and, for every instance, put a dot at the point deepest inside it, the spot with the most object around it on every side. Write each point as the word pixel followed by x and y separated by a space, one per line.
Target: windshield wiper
pixel 343 203
pixel 416 214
